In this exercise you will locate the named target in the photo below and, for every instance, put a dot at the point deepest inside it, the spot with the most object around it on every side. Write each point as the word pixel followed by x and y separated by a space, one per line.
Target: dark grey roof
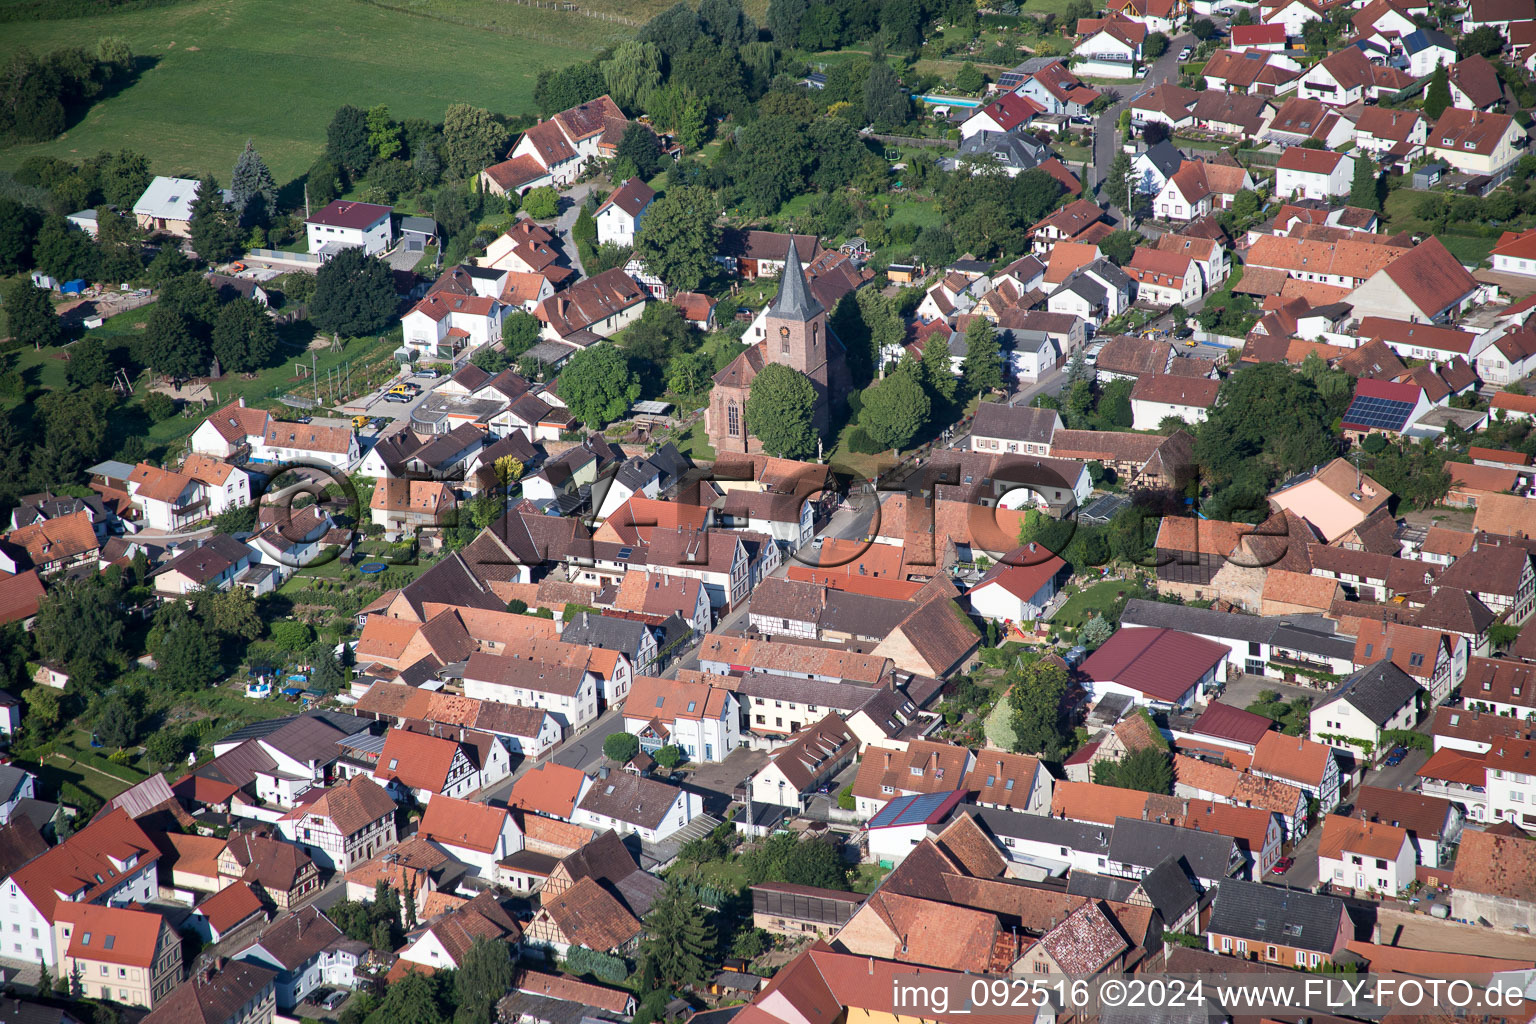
pixel 1273 914
pixel 630 798
pixel 794 301
pixel 1204 621
pixel 1424 38
pixel 843 697
pixel 1315 635
pixel 1377 691
pixel 1165 156
pixel 1168 889
pixel 422 225
pixel 635 473
pixel 610 634
pixel 1109 273
pixel 343 723
pixel 1018 151
pixel 1041 828
pixel 1102 509
pixel 1147 843
pixel 1100 887
pixel 672 463
pixel 1015 422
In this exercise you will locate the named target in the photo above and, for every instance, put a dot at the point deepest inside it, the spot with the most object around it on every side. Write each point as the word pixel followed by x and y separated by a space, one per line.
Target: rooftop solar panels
pixel 915 809
pixel 1369 413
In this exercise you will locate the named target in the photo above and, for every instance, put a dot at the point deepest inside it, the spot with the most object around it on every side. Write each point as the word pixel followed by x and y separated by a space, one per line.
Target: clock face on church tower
pixel 783 332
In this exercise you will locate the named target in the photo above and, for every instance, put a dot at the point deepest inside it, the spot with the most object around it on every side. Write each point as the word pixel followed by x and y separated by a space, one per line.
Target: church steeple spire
pixel 794 301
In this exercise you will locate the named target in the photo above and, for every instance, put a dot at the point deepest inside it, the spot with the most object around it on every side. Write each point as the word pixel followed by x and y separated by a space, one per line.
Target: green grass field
pixel 1470 249
pixel 274 71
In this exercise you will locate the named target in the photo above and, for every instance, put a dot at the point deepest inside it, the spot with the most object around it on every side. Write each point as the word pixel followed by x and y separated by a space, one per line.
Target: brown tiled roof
pixel 20 595
pixel 924 767
pixel 570 990
pixel 54 540
pixel 1507 515
pixel 231 905
pixel 1429 273
pixel 1171 389
pixel 590 301
pixel 463 823
pixel 1134 356
pixel 1002 778
pixel 1342 835
pixel 587 915
pixel 1495 865
pixel 1301 589
pixel 1292 757
pixel 216 999
pixel 352 805
pixel 1424 817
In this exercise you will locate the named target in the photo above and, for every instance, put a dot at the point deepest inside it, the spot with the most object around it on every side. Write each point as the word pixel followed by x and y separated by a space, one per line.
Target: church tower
pixel 797 333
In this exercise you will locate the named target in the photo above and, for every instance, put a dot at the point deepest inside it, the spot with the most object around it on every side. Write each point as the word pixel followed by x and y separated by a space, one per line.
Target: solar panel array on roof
pixel 912 810
pixel 1377 413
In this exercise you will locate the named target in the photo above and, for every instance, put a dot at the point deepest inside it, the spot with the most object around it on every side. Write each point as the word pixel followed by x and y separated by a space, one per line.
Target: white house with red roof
pixel 111 860
pixel 1160 396
pixel 1425 284
pixel 1110 47
pixel 344 224
pixel 1157 15
pixel 1515 253
pixel 1398 133
pixel 1259 37
pixel 1347 76
pixel 555 152
pixel 1313 173
pixel 1004 114
pixel 230 429
pixel 1384 406
pixel 445 324
pixel 1292 14
pixel 1186 194
pixel 1475 142
pixel 1018 587
pixel 472 833
pixel 1160 667
pixel 1058 91
pixel 618 219
pixel 1164 278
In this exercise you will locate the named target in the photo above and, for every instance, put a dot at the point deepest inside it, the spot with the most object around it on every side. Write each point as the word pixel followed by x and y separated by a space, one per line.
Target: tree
pixel 252 191
pixel 785 858
pixel 170 345
pixel 669 757
pixel 243 339
pixel 542 203
pixel 689 373
pixel 322 182
pixel 184 659
pixel 411 999
pixel 1120 246
pixel 633 73
pixel 1119 185
pixel 679 237
pixel 117 721
pixel 229 613
pixel 18 226
pixel 969 79
pixel 88 364
pixel 1266 418
pixel 383 132
pixel 215 235
pixel 1078 370
pixel 346 140
pixel 983 366
pixel 895 410
pixel 64 253
pixel 472 138
pixel 354 295
pixel 678 939
pixel 1148 770
pixel 165 746
pixel 938 369
pixel 1485 40
pixel 621 747
pixel 784 17
pixel 780 412
pixel 121 243
pixel 1437 95
pixel 291 634
pixel 1203 29
pixel 1154 46
pixel 902 22
pixel 1095 632
pixel 29 316
pixel 561 88
pixel 44 709
pixel 484 976
pixel 1039 723
pixel 727 23
pixel 640 148
pixel 885 104
pixel 1362 189
pixel 598 386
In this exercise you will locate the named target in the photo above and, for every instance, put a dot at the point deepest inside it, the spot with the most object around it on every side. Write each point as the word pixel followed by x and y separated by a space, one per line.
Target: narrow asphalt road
pixel 570 202
pixel 1106 126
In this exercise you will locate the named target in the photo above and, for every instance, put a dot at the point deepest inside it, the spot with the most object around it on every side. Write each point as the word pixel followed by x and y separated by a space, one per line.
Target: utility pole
pixel 314 375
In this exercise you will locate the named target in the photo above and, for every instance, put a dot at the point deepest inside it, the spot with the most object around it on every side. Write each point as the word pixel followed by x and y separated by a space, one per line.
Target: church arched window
pixel 733 419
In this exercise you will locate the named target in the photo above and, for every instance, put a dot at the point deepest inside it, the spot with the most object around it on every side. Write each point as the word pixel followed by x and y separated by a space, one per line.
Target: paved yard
pixel 1245 691
pixel 716 782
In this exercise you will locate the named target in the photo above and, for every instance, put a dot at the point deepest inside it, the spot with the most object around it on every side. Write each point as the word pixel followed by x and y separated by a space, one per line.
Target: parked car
pixel 1184 53
pixel 1282 865
pixel 1183 333
pixel 397 397
pixel 428 373
pixel 335 999
pixel 1395 756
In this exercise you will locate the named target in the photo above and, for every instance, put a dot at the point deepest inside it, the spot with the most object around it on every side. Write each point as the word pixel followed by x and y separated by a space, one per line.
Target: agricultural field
pixel 214 73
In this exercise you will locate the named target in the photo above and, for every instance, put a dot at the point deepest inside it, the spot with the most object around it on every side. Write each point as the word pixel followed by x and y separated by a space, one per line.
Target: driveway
pixel 570 208
pixel 586 749
pixel 1164 69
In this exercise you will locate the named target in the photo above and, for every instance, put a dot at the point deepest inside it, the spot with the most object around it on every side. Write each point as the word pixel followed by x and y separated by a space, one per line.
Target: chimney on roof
pixel 241 400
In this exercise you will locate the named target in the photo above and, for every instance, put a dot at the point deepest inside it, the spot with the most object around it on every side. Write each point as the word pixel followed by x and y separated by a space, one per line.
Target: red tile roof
pixel 344 213
pixel 1161 663
pixel 463 823
pixel 114 935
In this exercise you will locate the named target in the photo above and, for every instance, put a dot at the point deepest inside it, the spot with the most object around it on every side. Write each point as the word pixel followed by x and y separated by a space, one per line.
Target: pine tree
pixel 1077 368
pixel 215 235
pixel 1362 190
pixel 1437 95
pixel 983 360
pixel 252 179
pixel 938 372
pixel 680 939
pixel 44 979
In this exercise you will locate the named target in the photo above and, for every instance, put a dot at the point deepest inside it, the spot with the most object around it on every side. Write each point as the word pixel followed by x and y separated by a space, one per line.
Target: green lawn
pixel 273 71
pixel 1094 600
pixel 1470 249
pixel 61 768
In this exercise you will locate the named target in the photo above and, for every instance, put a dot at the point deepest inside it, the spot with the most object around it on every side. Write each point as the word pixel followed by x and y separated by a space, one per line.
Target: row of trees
pixel 40 96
